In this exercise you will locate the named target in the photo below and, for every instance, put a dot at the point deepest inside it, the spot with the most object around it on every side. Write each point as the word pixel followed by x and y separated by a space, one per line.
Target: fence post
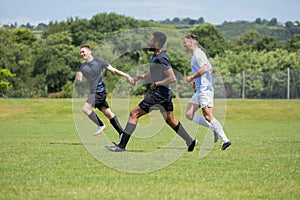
pixel 288 83
pixel 243 84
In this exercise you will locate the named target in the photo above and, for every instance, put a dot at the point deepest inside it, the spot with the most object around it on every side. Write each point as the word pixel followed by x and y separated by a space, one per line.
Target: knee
pixel 208 118
pixel 133 115
pixel 171 123
pixel 108 113
pixel 85 110
pixel 189 115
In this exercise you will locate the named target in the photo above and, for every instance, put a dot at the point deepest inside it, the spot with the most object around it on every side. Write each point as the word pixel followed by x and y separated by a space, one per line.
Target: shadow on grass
pixel 66 143
pixel 171 148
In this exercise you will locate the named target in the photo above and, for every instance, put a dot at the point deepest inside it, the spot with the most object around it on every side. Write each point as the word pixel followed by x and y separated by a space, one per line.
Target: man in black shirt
pixel 92 70
pixel 162 75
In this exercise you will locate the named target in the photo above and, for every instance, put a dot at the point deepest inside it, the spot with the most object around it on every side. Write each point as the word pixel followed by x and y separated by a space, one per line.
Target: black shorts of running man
pixel 156 101
pixel 98 100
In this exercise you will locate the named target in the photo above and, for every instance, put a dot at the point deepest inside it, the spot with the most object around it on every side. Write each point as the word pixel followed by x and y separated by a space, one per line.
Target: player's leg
pixel 129 129
pixel 206 103
pixel 193 116
pixel 112 119
pixel 140 110
pixel 192 108
pixel 180 130
pixel 100 103
pixel 207 108
pixel 87 108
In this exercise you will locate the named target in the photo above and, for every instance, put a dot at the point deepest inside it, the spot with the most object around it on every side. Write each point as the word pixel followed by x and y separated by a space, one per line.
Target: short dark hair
pixel 85 46
pixel 191 36
pixel 160 38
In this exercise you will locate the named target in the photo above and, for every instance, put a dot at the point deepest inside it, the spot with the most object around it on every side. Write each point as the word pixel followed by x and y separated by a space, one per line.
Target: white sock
pixel 219 130
pixel 202 121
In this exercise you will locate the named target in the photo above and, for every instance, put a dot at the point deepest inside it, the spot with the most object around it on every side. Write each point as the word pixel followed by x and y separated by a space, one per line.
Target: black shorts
pixel 98 100
pixel 156 101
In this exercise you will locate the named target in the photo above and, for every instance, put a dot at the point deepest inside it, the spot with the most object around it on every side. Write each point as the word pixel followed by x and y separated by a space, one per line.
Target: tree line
pixel 45 66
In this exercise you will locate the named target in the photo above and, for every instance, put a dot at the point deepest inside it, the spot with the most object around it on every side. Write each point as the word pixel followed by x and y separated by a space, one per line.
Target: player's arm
pixel 120 73
pixel 171 78
pixel 142 76
pixel 202 70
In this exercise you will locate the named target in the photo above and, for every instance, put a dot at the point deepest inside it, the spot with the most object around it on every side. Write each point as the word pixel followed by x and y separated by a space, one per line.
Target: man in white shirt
pixel 203 97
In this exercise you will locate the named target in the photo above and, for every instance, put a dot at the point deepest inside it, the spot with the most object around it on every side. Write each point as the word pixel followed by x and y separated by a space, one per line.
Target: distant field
pixel 37 33
pixel 42 156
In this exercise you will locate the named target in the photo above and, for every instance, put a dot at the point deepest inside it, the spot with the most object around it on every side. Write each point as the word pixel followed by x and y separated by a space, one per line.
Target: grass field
pixel 42 157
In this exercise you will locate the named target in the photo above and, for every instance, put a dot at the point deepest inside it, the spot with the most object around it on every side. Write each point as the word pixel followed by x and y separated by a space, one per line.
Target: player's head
pixel 190 42
pixel 85 51
pixel 157 40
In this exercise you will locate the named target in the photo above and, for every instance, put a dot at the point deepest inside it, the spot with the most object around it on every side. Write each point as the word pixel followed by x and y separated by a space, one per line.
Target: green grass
pixel 42 156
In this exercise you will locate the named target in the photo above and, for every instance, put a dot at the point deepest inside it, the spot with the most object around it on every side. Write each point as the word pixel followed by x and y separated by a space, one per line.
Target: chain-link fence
pixel 267 85
pixel 277 85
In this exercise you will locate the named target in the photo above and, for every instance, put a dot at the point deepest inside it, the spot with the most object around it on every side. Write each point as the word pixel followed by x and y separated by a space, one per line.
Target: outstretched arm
pixel 120 73
pixel 142 76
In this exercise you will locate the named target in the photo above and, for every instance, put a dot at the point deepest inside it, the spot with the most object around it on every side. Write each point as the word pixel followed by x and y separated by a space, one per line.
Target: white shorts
pixel 203 99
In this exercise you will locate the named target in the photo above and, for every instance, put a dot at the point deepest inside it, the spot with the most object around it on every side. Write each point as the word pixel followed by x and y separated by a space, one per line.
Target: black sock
pixel 129 129
pixel 179 129
pixel 115 123
pixel 93 116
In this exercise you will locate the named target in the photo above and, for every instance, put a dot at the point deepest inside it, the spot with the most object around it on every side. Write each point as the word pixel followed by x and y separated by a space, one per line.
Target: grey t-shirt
pixel 93 72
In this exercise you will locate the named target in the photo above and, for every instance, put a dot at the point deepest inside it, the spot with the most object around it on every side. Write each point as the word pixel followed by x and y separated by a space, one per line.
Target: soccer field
pixel 43 157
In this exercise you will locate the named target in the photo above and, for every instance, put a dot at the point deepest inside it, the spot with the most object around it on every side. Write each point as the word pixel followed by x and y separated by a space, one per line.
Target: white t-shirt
pixel 203 82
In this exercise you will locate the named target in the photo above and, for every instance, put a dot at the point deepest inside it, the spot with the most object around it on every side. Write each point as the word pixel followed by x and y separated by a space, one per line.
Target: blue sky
pixel 215 12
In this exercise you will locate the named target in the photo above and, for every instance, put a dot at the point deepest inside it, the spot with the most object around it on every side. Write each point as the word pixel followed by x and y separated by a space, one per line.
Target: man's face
pixel 152 43
pixel 188 43
pixel 85 53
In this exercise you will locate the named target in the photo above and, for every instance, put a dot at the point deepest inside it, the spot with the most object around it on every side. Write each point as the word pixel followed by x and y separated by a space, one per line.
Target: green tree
pixel 4 83
pixel 266 43
pixel 294 43
pixel 24 36
pixel 56 27
pixel 56 62
pixel 246 40
pixel 82 32
pixel 16 56
pixel 273 22
pixel 210 38
pixel 258 21
pixel 201 20
pixel 176 20
pixel 265 72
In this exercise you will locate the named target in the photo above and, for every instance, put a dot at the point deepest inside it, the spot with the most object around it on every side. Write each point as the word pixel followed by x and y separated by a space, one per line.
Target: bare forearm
pixel 166 81
pixel 171 78
pixel 120 73
pixel 143 76
pixel 201 71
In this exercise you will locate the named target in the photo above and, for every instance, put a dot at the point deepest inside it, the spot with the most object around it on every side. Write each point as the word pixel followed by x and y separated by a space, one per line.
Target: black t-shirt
pixel 158 65
pixel 93 72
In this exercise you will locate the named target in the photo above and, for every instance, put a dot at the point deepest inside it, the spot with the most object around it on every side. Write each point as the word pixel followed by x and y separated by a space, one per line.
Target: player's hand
pixel 153 86
pixel 189 79
pixel 135 79
pixel 79 76
pixel 131 80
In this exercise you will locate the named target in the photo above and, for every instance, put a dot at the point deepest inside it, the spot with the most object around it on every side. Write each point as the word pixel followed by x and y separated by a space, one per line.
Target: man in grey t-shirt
pixel 92 70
